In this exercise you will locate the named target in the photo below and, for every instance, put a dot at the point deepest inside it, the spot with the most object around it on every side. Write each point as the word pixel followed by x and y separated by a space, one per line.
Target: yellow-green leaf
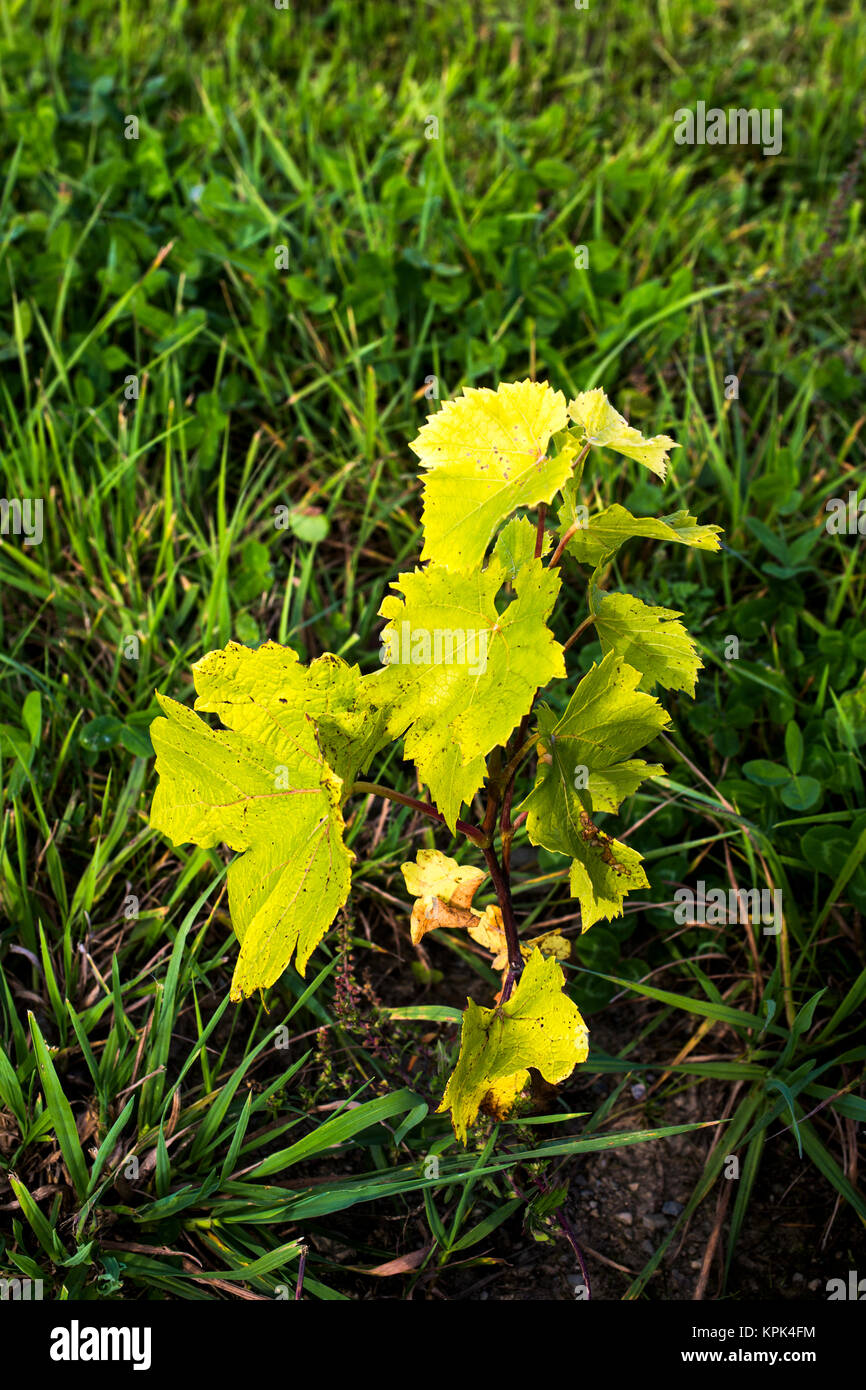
pixel 649 639
pixel 265 790
pixel 515 545
pixel 460 675
pixel 604 428
pixel 586 754
pixel 585 766
pixel 486 455
pixel 262 691
pixel 539 1026
pixel 550 943
pixel 601 535
pixel 603 871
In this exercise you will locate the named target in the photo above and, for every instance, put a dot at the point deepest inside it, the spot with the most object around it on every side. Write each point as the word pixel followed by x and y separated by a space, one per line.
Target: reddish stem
pixel 471 832
pixel 512 940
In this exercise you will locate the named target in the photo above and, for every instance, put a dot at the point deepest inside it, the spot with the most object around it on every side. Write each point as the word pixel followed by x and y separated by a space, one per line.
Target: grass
pixel 165 389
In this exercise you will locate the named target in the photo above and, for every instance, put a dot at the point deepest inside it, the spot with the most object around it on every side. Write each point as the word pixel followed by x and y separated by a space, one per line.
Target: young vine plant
pixel 466 650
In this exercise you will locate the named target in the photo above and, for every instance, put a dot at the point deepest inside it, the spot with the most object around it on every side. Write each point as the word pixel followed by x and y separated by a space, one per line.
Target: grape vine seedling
pixel 298 740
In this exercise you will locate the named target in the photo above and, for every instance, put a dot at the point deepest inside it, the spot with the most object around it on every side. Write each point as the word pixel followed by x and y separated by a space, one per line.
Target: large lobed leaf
pixel 486 455
pixel 650 639
pixel 455 713
pixel 539 1026
pixel 264 788
pixel 586 767
pixel 259 689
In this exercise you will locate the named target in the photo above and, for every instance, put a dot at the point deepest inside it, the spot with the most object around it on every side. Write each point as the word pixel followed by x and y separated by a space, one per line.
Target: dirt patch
pixel 622 1204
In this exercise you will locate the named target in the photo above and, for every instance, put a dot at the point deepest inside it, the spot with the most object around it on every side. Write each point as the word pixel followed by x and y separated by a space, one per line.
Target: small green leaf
pixel 765 773
pixel 515 545
pixel 136 741
pixel 651 640
pixel 31 716
pixel 601 535
pixel 794 747
pixel 101 733
pixel 309 527
pixel 801 793
pixel 604 428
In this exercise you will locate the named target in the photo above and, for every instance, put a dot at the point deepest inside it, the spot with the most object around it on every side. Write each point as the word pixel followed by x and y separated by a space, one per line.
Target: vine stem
pixel 578 631
pixel 506 831
pixel 527 747
pixel 500 880
pixel 575 525
pixel 566 537
pixel 472 832
pixel 501 792
pixel 565 1226
pixel 512 941
pixel 302 1264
